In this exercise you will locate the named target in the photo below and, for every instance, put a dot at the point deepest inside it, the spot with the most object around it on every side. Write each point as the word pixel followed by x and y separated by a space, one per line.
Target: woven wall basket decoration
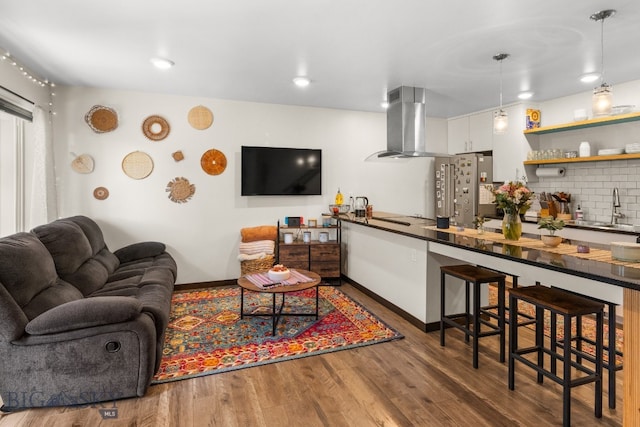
pixel 213 162
pixel 101 119
pixel 180 190
pixel 82 164
pixel 155 128
pixel 200 117
pixel 100 193
pixel 137 165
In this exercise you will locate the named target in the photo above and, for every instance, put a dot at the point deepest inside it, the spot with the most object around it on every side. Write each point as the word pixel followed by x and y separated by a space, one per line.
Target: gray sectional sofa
pixel 78 323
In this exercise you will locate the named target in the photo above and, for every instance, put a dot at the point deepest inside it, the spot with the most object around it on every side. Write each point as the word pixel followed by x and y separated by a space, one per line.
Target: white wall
pixel 203 234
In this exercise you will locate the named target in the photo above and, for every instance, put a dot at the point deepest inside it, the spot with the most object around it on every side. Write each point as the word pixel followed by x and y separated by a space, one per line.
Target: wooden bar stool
pixel 567 305
pixel 473 320
pixel 527 318
pixel 611 364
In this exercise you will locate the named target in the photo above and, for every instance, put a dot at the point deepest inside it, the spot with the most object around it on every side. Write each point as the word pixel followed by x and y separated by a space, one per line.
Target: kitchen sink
pixel 607 225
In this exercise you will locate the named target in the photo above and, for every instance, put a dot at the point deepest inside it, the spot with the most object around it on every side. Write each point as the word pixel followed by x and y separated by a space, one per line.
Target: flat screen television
pixel 277 171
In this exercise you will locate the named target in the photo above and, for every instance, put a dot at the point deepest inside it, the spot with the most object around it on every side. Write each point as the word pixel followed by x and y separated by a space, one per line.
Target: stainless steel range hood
pixel 406 118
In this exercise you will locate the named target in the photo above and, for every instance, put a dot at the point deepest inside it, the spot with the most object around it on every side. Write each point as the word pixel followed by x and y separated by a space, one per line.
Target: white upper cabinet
pixel 471 133
pixel 474 133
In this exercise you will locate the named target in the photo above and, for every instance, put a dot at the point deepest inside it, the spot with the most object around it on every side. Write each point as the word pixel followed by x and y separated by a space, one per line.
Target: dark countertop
pixel 620 275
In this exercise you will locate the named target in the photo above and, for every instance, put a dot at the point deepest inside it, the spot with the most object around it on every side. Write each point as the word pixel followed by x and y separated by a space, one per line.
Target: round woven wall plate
pixel 155 128
pixel 213 162
pixel 137 165
pixel 101 119
pixel 180 190
pixel 100 193
pixel 200 117
pixel 82 164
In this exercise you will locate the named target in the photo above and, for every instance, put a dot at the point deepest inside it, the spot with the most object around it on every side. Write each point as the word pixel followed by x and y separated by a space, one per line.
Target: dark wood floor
pixel 409 382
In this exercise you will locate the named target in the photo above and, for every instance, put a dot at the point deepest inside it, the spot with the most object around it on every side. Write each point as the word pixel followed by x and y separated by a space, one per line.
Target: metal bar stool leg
pixel 566 375
pixel 540 340
pixel 467 311
pixel 476 322
pixel 513 341
pixel 501 317
pixel 442 306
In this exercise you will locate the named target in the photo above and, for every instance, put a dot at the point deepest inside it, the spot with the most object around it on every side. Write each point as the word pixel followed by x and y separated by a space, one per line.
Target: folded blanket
pixel 266 246
pixel 262 232
pixel 246 257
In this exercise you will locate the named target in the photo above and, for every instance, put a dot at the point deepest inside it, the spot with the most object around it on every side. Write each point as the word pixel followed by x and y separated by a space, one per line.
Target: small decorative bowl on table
pixel 278 273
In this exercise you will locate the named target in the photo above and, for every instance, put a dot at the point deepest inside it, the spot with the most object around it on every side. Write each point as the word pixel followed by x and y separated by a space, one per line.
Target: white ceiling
pixel 353 50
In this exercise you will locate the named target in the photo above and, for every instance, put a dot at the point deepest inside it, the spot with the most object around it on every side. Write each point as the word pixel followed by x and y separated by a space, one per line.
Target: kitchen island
pixel 399 258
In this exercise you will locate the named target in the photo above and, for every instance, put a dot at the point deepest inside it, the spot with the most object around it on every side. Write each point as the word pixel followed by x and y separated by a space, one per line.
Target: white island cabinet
pixel 388 264
pixel 397 269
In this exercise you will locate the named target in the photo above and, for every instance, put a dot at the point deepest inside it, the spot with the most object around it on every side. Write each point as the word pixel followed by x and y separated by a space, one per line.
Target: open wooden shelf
pixel 583 124
pixel 583 159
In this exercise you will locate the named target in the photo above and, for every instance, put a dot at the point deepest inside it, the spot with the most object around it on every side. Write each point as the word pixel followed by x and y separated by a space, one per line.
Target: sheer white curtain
pixel 44 197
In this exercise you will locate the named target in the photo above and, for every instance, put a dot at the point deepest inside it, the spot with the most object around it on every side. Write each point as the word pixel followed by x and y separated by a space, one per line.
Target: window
pixel 12 129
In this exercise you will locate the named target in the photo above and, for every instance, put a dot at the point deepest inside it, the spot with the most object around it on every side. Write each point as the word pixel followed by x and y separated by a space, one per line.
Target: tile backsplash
pixel 591 186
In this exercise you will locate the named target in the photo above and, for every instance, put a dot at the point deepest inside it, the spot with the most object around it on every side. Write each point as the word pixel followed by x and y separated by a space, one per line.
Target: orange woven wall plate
pixel 213 162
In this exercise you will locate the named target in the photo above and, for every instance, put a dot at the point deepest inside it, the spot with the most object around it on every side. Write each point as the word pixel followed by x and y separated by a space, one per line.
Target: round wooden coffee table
pixel 246 285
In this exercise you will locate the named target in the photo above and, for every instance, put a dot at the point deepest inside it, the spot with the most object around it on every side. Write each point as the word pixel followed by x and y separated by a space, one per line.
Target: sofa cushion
pixel 140 250
pixel 28 273
pixel 12 318
pixel 58 293
pixel 84 264
pixel 66 243
pixel 26 268
pixel 85 313
pixel 91 230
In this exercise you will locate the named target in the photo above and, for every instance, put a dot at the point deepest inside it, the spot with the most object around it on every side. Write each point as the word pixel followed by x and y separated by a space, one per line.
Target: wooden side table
pixel 246 285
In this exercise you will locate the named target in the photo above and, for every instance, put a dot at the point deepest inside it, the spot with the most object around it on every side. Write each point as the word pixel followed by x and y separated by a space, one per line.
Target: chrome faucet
pixel 615 215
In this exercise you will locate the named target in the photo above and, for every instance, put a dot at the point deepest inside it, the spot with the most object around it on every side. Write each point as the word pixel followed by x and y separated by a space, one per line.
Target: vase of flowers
pixel 514 198
pixel 478 222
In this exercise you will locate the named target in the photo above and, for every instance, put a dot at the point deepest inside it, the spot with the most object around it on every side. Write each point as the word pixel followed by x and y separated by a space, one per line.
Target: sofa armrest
pixel 140 250
pixel 85 313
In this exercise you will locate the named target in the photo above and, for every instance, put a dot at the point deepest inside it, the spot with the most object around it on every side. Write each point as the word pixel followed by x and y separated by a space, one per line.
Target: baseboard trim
pixel 201 285
pixel 426 327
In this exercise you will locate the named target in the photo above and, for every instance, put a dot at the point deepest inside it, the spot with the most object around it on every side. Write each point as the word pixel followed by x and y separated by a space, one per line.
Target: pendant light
pixel 602 101
pixel 500 117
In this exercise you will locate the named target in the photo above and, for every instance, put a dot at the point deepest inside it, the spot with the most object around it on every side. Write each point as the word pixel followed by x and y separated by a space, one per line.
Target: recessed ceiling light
pixel 301 81
pixel 384 104
pixel 525 95
pixel 162 63
pixel 590 78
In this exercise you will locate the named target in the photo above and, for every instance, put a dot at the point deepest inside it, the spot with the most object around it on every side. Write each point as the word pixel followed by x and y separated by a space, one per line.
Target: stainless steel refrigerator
pixel 464 184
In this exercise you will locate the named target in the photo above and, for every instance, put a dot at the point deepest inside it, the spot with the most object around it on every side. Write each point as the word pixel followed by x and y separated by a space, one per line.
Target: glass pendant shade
pixel 500 122
pixel 602 101
pixel 500 118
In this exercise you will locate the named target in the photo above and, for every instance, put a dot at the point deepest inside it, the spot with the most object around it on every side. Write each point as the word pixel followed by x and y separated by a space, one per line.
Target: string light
pixel 29 75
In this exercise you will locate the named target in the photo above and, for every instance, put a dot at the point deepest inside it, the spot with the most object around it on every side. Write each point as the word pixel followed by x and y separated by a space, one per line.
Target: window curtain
pixel 44 197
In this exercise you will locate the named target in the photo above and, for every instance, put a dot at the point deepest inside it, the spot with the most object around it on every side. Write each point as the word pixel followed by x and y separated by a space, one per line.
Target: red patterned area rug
pixel 588 326
pixel 207 336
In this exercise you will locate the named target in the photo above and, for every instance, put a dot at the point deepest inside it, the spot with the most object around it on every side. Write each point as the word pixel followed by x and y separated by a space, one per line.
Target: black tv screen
pixel 274 171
